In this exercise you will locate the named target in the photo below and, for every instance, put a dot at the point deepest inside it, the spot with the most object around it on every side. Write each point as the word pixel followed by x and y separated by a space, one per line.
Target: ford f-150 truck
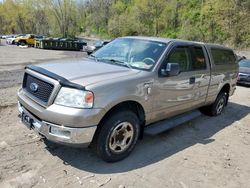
pixel 131 86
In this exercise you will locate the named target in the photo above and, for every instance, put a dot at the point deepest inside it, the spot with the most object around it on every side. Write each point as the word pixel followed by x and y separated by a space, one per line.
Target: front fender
pixel 112 93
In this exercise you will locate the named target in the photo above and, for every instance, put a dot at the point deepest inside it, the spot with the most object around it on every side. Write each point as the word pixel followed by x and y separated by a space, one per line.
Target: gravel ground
pixel 206 152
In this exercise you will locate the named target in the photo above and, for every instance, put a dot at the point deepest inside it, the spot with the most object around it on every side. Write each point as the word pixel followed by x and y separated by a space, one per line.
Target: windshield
pixel 245 63
pixel 98 43
pixel 134 53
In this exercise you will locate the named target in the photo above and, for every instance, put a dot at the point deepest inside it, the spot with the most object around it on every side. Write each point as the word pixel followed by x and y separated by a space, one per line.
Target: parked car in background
pixel 8 36
pixel 28 39
pixel 40 37
pixel 11 40
pixel 90 48
pixel 244 72
pixel 5 36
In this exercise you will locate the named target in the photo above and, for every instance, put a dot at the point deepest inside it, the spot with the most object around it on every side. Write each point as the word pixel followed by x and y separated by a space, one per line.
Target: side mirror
pixel 172 69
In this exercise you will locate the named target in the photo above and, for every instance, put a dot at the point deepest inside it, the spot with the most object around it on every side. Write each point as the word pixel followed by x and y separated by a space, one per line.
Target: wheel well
pixel 127 105
pixel 226 89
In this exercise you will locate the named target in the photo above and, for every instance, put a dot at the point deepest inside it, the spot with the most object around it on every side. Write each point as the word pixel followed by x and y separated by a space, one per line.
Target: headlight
pixel 75 98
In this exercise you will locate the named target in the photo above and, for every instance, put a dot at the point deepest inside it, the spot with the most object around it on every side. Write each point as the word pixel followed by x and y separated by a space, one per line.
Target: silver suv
pixel 131 86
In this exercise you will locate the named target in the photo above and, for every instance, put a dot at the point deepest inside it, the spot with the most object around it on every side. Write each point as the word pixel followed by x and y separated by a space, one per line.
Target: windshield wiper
pixel 96 59
pixel 119 62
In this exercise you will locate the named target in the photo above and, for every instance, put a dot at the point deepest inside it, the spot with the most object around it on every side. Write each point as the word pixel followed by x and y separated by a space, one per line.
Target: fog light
pixel 59 132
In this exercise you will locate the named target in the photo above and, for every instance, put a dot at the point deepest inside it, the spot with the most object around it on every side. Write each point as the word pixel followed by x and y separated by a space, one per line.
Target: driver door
pixel 176 94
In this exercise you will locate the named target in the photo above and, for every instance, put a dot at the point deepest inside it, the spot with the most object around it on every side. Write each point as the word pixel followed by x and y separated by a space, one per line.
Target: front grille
pixel 43 90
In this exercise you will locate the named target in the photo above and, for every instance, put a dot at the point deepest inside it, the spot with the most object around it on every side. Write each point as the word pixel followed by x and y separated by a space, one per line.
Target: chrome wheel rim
pixel 121 137
pixel 220 105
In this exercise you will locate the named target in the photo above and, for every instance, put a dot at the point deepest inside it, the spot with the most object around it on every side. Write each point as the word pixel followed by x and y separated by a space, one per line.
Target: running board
pixel 164 125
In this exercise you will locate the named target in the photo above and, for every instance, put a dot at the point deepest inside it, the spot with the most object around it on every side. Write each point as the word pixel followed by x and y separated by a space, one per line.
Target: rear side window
pixel 222 56
pixel 199 60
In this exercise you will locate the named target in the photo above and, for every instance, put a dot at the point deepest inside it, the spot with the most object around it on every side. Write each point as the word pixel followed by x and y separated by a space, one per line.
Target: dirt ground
pixel 207 152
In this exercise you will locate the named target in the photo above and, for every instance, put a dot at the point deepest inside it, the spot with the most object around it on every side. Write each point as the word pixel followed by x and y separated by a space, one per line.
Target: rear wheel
pixel 117 137
pixel 217 107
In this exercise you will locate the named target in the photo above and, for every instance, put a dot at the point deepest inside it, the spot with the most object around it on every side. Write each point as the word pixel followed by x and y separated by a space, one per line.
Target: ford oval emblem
pixel 34 87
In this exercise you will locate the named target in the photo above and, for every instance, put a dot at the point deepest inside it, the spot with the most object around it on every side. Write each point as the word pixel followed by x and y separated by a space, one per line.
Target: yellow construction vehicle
pixel 25 40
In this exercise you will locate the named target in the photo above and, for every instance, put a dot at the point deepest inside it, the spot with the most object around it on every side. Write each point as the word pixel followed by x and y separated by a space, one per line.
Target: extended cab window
pixel 180 55
pixel 223 56
pixel 199 60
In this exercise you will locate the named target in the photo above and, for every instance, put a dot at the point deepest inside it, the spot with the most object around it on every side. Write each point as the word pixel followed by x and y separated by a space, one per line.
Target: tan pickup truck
pixel 129 87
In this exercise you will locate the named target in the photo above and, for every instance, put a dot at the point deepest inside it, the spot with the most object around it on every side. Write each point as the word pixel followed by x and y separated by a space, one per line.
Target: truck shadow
pixel 154 149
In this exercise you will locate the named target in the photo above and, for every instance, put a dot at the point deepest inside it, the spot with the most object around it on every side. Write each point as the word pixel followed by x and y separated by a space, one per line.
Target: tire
pixel 117 136
pixel 22 43
pixel 217 107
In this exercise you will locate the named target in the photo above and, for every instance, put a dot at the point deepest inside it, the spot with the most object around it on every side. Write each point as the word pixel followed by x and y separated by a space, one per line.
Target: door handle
pixel 192 80
pixel 147 86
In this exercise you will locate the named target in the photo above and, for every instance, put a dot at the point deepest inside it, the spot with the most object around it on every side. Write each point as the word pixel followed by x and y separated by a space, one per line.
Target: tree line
pixel 216 21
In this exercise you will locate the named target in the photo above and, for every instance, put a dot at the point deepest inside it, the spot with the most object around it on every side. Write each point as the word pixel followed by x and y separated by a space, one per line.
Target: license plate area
pixel 27 120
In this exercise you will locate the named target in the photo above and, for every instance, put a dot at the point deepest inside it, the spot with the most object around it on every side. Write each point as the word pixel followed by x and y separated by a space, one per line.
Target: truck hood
pixel 86 71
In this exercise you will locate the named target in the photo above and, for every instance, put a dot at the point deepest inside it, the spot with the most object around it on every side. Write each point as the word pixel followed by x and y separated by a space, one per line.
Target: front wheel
pixel 117 136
